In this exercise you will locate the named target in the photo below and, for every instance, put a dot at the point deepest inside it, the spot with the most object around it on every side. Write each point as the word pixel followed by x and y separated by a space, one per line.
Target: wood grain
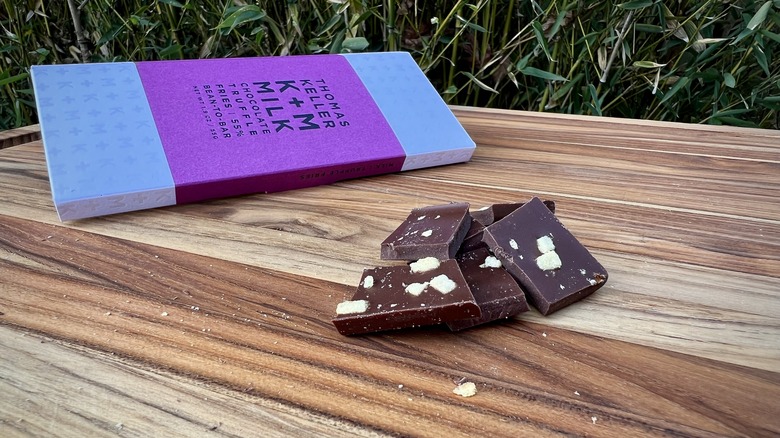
pixel 25 134
pixel 69 390
pixel 267 334
pixel 667 250
pixel 238 293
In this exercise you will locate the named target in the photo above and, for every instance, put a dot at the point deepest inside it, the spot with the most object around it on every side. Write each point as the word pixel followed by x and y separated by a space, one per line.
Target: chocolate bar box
pixel 128 136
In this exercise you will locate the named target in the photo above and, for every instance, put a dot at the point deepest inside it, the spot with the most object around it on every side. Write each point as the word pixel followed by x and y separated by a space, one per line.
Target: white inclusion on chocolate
pixel 368 282
pixel 426 233
pixel 416 288
pixel 545 244
pixel 350 307
pixel 548 261
pixel 491 262
pixel 443 284
pixel 583 272
pixel 424 264
pixel 513 244
pixel 421 218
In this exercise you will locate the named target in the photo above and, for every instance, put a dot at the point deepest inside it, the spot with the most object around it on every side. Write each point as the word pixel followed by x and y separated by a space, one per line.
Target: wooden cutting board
pixel 215 317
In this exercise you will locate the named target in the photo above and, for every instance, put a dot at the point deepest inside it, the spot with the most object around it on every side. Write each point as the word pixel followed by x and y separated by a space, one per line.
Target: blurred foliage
pixel 689 61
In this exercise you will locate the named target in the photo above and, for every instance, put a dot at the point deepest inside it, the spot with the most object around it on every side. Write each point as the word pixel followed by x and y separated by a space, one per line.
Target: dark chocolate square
pixel 435 231
pixel 497 293
pixel 514 240
pixel 390 304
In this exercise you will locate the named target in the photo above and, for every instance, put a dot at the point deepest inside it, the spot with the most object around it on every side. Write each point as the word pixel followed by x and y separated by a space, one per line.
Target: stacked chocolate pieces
pixel 471 268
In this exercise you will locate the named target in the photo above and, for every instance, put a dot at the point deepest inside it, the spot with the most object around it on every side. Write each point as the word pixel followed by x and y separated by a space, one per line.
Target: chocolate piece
pixel 435 231
pixel 496 212
pixel 497 293
pixel 548 261
pixel 491 213
pixel 396 297
pixel 473 238
pixel 486 216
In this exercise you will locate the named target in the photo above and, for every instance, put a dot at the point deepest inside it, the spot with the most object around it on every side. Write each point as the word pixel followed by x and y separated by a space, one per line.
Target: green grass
pixel 689 61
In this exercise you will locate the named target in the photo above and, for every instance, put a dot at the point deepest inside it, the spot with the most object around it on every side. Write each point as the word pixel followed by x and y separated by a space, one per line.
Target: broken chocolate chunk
pixel 497 293
pixel 394 297
pixel 473 238
pixel 546 259
pixel 491 213
pixel 435 231
pixel 486 216
pixel 496 212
